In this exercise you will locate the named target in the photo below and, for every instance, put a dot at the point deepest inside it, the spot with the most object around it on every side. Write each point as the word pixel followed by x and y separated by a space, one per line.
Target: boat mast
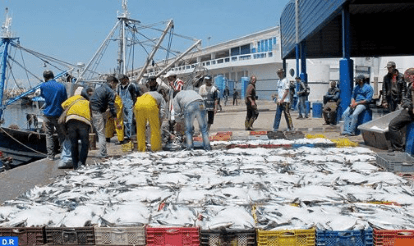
pixel 123 18
pixel 6 38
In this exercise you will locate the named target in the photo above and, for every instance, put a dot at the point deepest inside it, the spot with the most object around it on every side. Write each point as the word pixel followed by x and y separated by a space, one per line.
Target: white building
pixel 259 54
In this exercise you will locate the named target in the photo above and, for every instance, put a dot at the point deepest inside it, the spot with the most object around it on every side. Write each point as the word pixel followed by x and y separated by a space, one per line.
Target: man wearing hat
pixel 393 87
pixel 175 83
pixel 361 97
pixel 128 93
pixel 209 94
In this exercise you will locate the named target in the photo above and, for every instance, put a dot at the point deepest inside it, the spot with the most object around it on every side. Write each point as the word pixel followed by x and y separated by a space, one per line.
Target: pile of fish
pixel 271 189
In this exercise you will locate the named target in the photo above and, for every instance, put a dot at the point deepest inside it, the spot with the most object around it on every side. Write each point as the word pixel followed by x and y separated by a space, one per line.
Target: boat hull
pixel 23 146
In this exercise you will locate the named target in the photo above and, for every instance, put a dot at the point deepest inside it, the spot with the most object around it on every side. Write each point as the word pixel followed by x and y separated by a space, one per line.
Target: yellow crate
pixel 286 238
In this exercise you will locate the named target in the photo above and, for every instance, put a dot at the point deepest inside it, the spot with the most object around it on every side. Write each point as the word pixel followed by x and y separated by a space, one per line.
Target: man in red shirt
pixel 175 83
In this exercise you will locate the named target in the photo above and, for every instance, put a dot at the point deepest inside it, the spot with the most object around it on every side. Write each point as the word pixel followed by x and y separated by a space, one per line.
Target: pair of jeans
pixel 99 124
pixel 404 118
pixel 350 117
pixel 78 130
pixel 196 110
pixel 284 107
pixel 302 106
pixel 51 125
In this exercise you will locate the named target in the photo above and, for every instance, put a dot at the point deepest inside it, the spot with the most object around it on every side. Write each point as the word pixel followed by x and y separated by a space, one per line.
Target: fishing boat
pixel 27 145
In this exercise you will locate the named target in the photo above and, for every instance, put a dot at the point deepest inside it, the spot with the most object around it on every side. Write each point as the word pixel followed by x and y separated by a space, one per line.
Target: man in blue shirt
pixel 361 97
pixel 54 94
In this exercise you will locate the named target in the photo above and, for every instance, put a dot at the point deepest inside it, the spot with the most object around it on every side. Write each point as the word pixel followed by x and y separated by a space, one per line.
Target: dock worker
pixel 361 97
pixel 128 92
pixel 116 124
pixel 209 94
pixel 102 100
pixel 405 117
pixel 393 87
pixel 331 101
pixel 151 108
pixel 250 100
pixel 175 83
pixel 282 101
pixel 302 95
pixel 54 94
pixel 188 104
pixel 78 124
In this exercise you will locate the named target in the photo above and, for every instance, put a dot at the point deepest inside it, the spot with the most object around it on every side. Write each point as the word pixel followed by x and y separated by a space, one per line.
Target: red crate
pixel 254 133
pixel 224 133
pixel 27 235
pixel 392 237
pixel 173 236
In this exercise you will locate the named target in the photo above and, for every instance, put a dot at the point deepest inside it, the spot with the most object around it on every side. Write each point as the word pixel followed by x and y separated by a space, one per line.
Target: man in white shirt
pixel 283 101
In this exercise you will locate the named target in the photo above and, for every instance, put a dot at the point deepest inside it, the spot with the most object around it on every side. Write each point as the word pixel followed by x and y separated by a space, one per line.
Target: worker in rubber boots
pixel 150 107
pixel 116 124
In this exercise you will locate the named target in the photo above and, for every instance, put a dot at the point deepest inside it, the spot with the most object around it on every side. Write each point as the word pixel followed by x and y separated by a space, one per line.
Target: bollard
pixel 317 110
pixel 409 142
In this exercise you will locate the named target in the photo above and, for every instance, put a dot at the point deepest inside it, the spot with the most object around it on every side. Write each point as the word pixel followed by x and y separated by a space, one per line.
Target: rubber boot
pixel 251 121
pixel 247 125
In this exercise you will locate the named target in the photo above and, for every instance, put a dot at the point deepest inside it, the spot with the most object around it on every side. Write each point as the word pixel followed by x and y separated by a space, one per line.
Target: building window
pixel 235 51
pixel 245 49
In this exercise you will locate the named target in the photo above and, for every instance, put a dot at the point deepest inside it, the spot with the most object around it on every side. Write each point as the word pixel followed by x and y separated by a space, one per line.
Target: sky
pixel 72 30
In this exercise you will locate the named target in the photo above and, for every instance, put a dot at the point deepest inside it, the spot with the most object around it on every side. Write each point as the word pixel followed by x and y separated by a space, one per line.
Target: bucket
pixel 317 110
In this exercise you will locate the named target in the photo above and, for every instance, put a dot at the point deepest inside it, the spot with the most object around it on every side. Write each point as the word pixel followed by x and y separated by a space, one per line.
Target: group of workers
pixel 113 107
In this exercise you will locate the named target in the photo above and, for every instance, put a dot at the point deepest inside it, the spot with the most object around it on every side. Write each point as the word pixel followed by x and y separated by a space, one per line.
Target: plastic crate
pixel 286 238
pixel 70 235
pixel 393 237
pixel 344 238
pixel 120 236
pixel 173 236
pixel 253 133
pixel 227 237
pixel 26 235
pixel 292 135
pixel 396 161
pixel 276 135
pixel 258 137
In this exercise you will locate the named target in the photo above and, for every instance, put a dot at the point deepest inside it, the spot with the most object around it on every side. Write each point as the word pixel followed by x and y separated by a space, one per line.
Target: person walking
pixel 283 101
pixel 189 105
pixel 150 107
pixel 128 93
pixel 405 117
pixel 302 94
pixel 235 96
pixel 250 99
pixel 331 101
pixel 210 96
pixel 102 100
pixel 226 94
pixel 393 87
pixel 78 124
pixel 54 94
pixel 361 97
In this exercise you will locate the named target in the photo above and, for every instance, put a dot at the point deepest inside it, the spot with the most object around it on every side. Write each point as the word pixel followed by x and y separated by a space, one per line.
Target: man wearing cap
pixel 361 97
pixel 405 117
pixel 393 87
pixel 210 96
pixel 102 100
pixel 54 94
pixel 175 83
pixel 283 101
pixel 128 93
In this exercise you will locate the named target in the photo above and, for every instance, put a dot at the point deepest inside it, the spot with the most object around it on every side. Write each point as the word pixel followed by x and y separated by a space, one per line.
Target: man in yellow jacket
pixel 116 124
pixel 150 107
pixel 78 124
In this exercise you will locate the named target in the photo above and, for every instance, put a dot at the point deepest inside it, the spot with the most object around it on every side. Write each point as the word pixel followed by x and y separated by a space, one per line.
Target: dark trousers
pixel 395 126
pixel 252 113
pixel 392 104
pixel 78 130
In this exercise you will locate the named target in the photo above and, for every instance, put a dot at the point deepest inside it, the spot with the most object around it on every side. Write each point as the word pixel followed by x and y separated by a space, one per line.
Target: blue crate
pixel 344 238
